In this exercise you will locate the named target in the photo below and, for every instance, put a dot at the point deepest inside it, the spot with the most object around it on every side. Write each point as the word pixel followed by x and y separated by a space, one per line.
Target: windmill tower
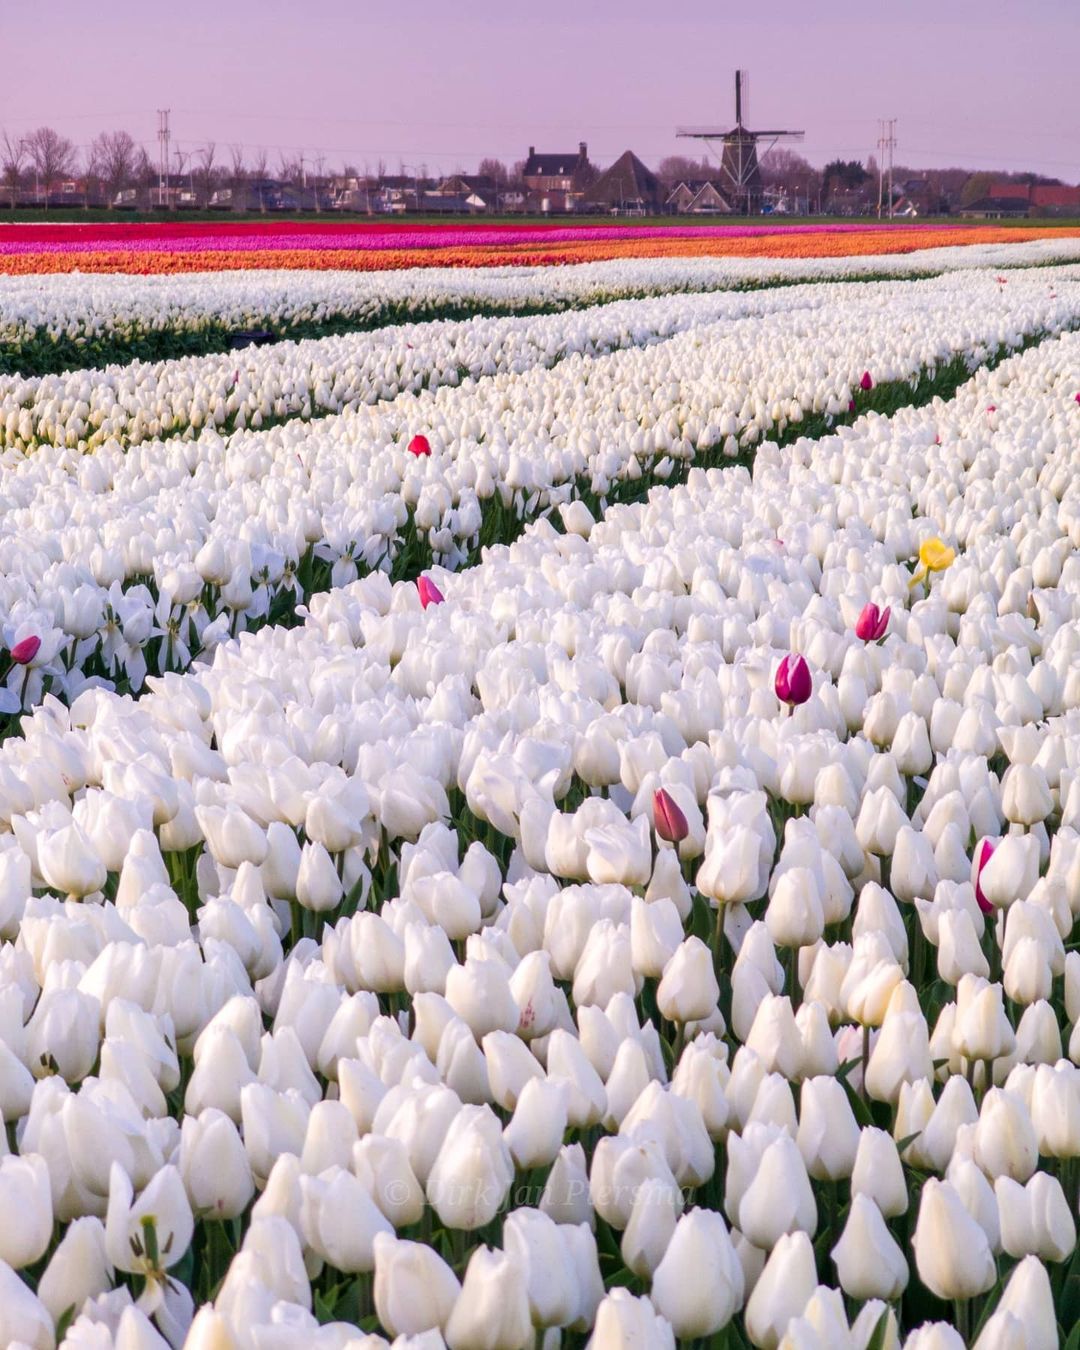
pixel 739 151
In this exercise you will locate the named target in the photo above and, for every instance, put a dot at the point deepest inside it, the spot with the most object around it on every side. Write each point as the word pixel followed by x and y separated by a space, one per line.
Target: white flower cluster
pixel 82 308
pixel 123 561
pixel 618 946
pixel 127 405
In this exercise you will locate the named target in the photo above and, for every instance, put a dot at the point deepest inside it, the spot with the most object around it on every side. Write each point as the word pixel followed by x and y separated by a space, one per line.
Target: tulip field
pixel 541 807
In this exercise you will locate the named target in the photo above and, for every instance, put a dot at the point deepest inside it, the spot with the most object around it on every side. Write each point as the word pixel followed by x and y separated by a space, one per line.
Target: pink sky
pixel 441 85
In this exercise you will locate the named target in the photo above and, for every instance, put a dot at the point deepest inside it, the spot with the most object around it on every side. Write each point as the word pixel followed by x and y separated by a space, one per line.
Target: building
pixel 1024 199
pixel 556 182
pixel 480 188
pixel 697 197
pixel 627 188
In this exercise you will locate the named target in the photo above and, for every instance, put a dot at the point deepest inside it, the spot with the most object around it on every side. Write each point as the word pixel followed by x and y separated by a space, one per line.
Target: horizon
pixel 298 92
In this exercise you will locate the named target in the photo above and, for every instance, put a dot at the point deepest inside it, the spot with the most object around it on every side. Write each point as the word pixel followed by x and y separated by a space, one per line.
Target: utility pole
pixel 163 154
pixel 886 146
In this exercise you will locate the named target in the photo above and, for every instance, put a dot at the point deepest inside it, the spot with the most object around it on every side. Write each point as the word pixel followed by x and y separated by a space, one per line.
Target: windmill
pixel 739 151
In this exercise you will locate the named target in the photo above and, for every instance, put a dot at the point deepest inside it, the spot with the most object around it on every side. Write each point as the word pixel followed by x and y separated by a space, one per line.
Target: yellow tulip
pixel 934 556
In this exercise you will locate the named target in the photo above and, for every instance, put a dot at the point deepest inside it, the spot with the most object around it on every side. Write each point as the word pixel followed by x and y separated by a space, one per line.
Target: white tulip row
pixel 131 404
pixel 119 559
pixel 480 776
pixel 86 308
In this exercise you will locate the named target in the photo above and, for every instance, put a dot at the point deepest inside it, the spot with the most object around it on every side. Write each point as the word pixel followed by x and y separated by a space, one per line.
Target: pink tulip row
pixel 380 238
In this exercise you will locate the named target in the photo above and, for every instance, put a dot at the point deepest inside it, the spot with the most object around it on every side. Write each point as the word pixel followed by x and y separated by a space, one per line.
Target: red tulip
pixel 793 684
pixel 986 852
pixel 867 382
pixel 419 445
pixel 668 817
pixel 851 405
pixel 1078 398
pixel 429 592
pixel 871 624
pixel 24 652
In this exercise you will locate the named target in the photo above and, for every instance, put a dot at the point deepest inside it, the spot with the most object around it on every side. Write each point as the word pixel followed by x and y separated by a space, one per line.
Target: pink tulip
pixel 867 382
pixel 871 624
pixel 986 852
pixel 419 445
pixel 793 684
pixel 1077 398
pixel 429 592
pixel 668 817
pixel 991 407
pixel 851 405
pixel 24 652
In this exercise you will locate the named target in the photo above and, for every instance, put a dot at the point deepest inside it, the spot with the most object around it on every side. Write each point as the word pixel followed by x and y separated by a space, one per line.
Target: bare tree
pixel 237 177
pixel 144 175
pixel 320 164
pixel 204 161
pixel 12 163
pixel 52 156
pixel 494 169
pixel 791 173
pixel 112 159
pixel 259 167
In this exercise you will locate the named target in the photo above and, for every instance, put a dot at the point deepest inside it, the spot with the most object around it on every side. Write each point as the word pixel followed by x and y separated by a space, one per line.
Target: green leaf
pixel 1068 1309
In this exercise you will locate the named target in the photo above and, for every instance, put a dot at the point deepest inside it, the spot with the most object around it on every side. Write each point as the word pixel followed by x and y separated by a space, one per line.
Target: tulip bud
pixel 78 1269
pixel 878 1172
pixel 866 382
pixel 782 1291
pixel 492 1311
pixel 415 1289
pixel 688 990
pixel 869 1264
pixel 624 1322
pixel 472 1171
pixel 872 623
pixel 1026 1313
pixel 25 1193
pixel 340 1221
pixel 24 1320
pixel 793 684
pixel 1035 1218
pixel 214 1166
pixel 828 1136
pixel 429 593
pixel 952 1253
pixel 24 652
pixel 698 1286
pixel 668 818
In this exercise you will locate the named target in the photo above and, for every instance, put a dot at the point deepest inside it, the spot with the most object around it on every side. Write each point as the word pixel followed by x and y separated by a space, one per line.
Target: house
pixel 628 187
pixel 475 185
pixel 697 196
pixel 1025 199
pixel 995 208
pixel 916 194
pixel 556 182
pixel 398 193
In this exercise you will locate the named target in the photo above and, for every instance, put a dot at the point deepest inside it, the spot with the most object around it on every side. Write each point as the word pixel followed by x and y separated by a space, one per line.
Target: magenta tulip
pixel 867 382
pixel 986 852
pixel 419 445
pixel 24 652
pixel 793 684
pixel 429 592
pixel 871 624
pixel 668 817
